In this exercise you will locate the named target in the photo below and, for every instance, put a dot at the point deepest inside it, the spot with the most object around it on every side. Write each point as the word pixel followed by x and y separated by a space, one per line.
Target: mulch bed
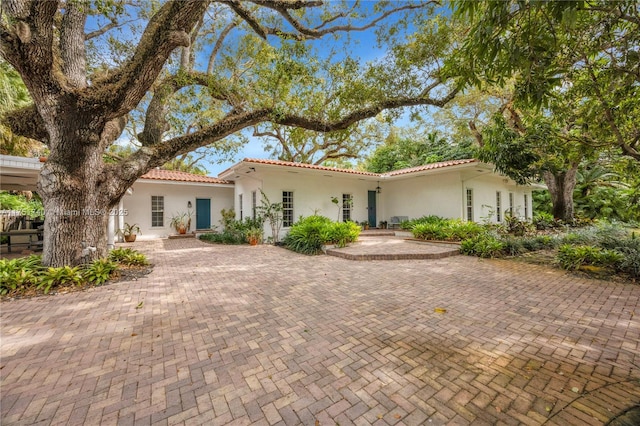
pixel 124 273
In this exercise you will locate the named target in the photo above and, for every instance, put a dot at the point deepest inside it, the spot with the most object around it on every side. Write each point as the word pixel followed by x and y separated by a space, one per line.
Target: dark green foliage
pixel 573 257
pixel 432 219
pixel 233 231
pixel 18 274
pixel 403 153
pixel 225 237
pixel 540 242
pixel 310 234
pixel 128 256
pixel 60 276
pixel 484 245
pixel 543 221
pixel 517 227
pixel 446 230
pixel 99 271
pixel 513 246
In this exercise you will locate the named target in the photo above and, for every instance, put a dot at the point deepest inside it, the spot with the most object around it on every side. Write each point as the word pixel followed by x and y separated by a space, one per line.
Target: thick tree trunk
pixel 561 186
pixel 76 205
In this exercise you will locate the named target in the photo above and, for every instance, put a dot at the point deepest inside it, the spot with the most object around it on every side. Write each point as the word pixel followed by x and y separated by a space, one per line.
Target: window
pixel 347 203
pixel 470 204
pixel 254 204
pixel 498 206
pixel 511 212
pixel 287 208
pixel 157 210
pixel 240 206
pixel 526 206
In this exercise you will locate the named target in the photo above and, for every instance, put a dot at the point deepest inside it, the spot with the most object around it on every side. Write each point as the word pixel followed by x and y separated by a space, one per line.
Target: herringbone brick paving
pixel 263 336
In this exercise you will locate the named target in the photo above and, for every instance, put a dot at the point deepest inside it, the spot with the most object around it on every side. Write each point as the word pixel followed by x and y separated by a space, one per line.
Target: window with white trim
pixel 470 204
pixel 511 212
pixel 526 206
pixel 347 203
pixel 157 211
pixel 254 204
pixel 498 206
pixel 287 208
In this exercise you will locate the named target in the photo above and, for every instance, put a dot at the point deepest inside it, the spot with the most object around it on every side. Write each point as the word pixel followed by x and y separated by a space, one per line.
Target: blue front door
pixel 203 213
pixel 372 209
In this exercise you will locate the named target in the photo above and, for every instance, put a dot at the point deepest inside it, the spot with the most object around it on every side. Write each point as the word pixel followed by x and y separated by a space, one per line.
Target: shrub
pixel 483 245
pixel 513 246
pixel 308 235
pixel 128 256
pixel 20 273
pixel 61 276
pixel 342 233
pixel 573 257
pixel 408 225
pixel 225 237
pixel 517 227
pixel 99 271
pixel 540 242
pixel 446 230
pixel 543 221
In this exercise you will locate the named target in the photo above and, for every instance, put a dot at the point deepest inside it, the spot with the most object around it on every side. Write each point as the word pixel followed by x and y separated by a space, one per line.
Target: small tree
pixel 271 212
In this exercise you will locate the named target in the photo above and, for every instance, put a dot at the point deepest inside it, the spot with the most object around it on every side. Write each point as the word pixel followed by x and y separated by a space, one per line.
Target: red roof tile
pixel 431 166
pixel 306 166
pixel 174 175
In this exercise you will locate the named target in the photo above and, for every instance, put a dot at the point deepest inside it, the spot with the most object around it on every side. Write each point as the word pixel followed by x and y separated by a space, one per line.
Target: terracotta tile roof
pixel 425 167
pixel 174 175
pixel 431 166
pixel 306 166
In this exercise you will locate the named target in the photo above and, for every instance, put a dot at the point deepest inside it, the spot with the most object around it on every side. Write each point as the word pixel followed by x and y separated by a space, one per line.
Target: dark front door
pixel 203 213
pixel 372 209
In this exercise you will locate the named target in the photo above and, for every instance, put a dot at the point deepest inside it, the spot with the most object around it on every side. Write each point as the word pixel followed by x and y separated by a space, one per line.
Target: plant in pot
pixel 254 236
pixel 129 232
pixel 383 224
pixel 365 225
pixel 181 222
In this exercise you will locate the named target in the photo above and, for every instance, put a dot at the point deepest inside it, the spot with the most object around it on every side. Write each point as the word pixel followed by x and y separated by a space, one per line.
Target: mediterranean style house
pixel 464 189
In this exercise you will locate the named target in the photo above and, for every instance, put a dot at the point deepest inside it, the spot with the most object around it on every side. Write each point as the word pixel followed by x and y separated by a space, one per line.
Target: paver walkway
pixel 259 335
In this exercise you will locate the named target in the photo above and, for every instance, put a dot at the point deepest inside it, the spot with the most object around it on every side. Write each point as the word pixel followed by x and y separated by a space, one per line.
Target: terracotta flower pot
pixel 130 238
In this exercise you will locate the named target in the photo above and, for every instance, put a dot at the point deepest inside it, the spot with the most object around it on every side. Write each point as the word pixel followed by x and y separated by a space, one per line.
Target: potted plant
pixel 254 236
pixel 383 224
pixel 181 222
pixel 365 225
pixel 129 232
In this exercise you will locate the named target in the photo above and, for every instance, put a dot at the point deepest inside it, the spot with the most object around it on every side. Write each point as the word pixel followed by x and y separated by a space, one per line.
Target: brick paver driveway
pixel 259 335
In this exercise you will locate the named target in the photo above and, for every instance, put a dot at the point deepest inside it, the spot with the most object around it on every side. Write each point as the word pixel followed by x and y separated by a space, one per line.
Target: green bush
pixel 99 271
pixel 543 221
pixel 408 225
pixel 573 257
pixel 20 273
pixel 540 242
pixel 61 276
pixel 447 230
pixel 308 235
pixel 342 233
pixel 225 237
pixel 513 246
pixel 483 245
pixel 128 256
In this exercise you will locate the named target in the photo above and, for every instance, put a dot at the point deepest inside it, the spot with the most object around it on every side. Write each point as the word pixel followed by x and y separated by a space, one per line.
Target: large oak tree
pixel 251 61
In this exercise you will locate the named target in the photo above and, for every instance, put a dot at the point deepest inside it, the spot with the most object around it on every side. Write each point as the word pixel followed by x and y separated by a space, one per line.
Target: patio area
pixel 264 336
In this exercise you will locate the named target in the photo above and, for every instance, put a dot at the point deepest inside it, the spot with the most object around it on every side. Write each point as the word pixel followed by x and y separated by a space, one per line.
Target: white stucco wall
pixel 434 194
pixel 484 197
pixel 312 193
pixel 176 198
